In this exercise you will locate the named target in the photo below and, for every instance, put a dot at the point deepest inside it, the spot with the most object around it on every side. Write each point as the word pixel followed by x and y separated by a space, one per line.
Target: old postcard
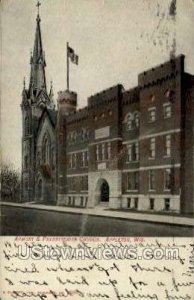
pixel 97 149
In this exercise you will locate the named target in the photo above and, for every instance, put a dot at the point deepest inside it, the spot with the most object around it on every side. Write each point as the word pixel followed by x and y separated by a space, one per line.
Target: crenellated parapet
pixel 106 96
pixel 77 116
pixel 161 73
pixel 67 102
pixel 131 96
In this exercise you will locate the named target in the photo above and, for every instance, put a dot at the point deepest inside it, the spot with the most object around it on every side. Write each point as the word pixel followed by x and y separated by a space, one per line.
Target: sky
pixel 115 40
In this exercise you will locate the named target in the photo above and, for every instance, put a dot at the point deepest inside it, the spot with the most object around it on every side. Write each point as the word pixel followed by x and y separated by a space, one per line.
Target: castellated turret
pixel 67 102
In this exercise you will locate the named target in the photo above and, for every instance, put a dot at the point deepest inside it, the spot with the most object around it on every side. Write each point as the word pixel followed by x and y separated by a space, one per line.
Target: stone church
pixel 130 149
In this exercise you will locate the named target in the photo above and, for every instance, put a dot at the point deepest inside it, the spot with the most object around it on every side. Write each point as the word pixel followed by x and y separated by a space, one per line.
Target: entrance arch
pixel 102 192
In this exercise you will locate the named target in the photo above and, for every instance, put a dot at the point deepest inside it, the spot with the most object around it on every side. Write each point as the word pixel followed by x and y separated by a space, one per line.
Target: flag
pixel 71 54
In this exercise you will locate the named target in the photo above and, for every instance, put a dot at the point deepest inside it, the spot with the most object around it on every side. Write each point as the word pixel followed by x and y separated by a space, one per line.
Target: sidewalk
pixel 105 212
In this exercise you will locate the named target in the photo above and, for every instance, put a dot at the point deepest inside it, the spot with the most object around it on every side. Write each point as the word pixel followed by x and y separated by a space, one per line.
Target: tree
pixel 10 183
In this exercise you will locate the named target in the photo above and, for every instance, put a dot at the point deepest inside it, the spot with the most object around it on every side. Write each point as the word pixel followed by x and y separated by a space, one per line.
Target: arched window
pixel 136 119
pixel 46 149
pixel 27 125
pixel 170 94
pixel 129 121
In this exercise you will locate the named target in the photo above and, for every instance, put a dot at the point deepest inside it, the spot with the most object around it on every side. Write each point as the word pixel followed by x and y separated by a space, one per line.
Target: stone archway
pixel 102 192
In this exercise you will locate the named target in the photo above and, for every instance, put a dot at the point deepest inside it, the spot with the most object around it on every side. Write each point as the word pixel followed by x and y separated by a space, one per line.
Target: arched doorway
pixel 102 192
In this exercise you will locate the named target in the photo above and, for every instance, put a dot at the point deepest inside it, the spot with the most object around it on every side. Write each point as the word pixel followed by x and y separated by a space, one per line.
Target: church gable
pixel 45 124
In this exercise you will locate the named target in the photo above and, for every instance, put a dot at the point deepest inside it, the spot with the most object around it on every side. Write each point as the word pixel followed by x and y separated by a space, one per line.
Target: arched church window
pixel 46 149
pixel 27 125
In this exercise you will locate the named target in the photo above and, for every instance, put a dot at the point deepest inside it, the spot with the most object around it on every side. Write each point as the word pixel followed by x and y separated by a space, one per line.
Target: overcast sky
pixel 115 40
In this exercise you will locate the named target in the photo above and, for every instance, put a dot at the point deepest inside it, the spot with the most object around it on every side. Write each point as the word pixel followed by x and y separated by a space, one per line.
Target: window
pixel 167 110
pixel 152 203
pixel 82 201
pixel 129 122
pixel 129 185
pixel 152 98
pixel 167 145
pixel 135 203
pixel 132 181
pixel 151 180
pixel 133 152
pixel 136 119
pixel 103 152
pixel 97 152
pixel 69 200
pixel 152 114
pixel 136 180
pixel 70 161
pixel 86 158
pixel 74 158
pixel 129 153
pixel 167 179
pixel 136 152
pixel 166 204
pixel 129 202
pixel 109 150
pixel 170 95
pixel 152 148
pixel 84 183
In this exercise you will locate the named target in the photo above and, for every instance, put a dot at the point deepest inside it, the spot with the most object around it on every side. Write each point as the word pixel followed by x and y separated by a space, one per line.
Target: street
pixel 25 221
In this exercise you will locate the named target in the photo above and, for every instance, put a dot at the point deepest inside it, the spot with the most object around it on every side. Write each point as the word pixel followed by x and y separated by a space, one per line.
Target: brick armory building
pixel 130 149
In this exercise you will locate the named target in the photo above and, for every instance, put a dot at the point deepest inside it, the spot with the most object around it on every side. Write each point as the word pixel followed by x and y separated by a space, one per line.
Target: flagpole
pixel 67 67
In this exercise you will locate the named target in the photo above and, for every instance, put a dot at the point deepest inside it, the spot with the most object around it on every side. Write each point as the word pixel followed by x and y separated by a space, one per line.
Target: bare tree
pixel 10 183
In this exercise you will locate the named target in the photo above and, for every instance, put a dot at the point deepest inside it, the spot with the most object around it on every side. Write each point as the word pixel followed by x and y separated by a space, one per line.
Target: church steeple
pixel 37 61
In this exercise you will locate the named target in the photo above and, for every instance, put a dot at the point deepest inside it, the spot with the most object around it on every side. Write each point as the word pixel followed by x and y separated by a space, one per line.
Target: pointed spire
pixel 38 64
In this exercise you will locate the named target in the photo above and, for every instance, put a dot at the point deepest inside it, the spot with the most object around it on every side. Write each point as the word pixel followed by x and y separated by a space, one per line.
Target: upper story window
pixel 167 179
pixel 132 120
pixel 133 152
pixel 167 110
pixel 46 149
pixel 109 150
pixel 152 98
pixel 170 95
pixel 74 160
pixel 152 152
pixel 136 119
pixel 129 153
pixel 27 125
pixel 151 180
pixel 167 145
pixel 132 181
pixel 151 114
pixel 103 151
pixel 97 152
pixel 84 159
pixel 129 121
